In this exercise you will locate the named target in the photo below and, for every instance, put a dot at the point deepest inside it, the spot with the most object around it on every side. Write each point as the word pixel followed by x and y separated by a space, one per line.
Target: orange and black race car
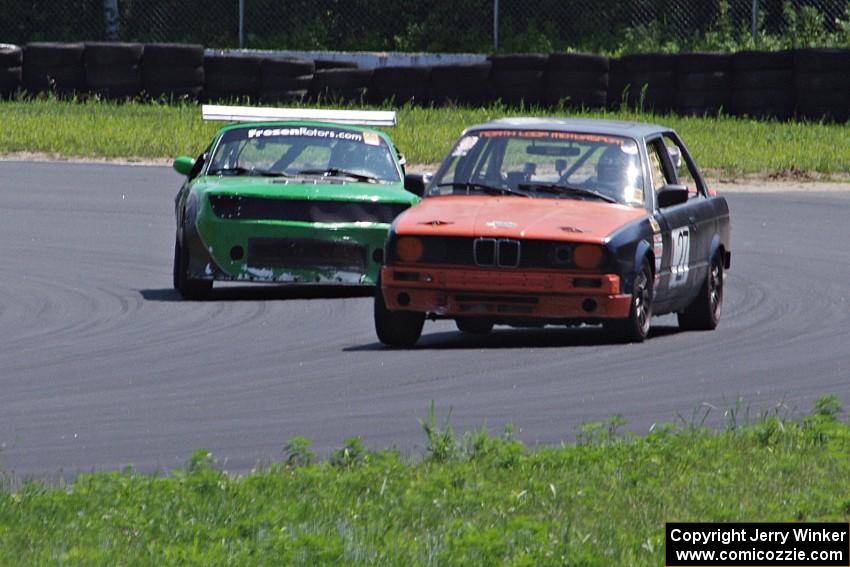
pixel 530 222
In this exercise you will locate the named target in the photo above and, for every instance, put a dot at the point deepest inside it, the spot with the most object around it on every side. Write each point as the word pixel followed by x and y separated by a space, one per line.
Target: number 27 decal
pixel 680 256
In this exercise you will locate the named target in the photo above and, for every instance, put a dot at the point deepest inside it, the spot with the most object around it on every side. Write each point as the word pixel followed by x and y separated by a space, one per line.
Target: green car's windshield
pixel 299 151
pixel 543 164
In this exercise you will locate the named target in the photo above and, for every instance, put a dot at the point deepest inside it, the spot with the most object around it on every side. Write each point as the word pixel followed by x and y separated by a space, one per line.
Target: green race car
pixel 282 200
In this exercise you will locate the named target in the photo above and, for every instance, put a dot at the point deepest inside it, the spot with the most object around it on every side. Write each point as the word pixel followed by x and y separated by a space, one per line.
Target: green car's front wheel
pixel 396 328
pixel 197 290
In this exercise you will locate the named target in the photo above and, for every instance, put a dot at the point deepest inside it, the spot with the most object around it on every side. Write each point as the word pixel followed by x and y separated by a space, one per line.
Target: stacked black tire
pixel 113 70
pixel 54 67
pixel 11 57
pixel 822 82
pixel 231 77
pixel 518 79
pixel 704 83
pixel 340 84
pixel 285 80
pixel 173 70
pixel 401 85
pixel 465 84
pixel 576 80
pixel 645 81
pixel 763 84
pixel 323 64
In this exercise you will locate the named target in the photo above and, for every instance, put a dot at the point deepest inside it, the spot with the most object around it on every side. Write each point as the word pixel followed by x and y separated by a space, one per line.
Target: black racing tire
pixel 165 77
pixel 445 77
pixel 816 60
pixel 635 328
pixel 338 79
pixel 690 102
pixel 763 103
pixel 578 62
pixel 62 79
pixel 330 64
pixel 280 68
pixel 474 325
pixel 10 56
pixel 780 79
pixel 112 54
pixel 231 86
pixel 649 63
pixel 821 82
pixel 115 81
pixel 514 79
pixel 232 65
pixel 762 60
pixel 10 80
pixel 280 83
pixel 391 78
pixel 687 63
pixel 703 314
pixel 193 290
pixel 654 80
pixel 708 81
pixel 577 80
pixel 521 62
pixel 53 54
pixel 172 55
pixel 396 328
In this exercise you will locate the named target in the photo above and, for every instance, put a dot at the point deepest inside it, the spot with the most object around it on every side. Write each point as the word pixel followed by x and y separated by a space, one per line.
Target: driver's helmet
pixel 613 167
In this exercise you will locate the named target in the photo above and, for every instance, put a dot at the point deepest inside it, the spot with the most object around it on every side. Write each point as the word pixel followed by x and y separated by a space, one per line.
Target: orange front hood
pixel 516 217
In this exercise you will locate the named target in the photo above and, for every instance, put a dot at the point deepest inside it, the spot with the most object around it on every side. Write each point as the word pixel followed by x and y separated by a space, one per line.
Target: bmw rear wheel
pixel 197 290
pixel 703 313
pixel 635 328
pixel 396 328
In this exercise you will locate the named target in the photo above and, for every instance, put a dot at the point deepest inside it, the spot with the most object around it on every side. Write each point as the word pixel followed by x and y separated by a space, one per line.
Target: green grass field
pixel 477 500
pixel 722 145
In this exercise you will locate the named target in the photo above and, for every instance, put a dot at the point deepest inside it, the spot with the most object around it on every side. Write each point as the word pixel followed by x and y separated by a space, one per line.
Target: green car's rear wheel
pixel 197 290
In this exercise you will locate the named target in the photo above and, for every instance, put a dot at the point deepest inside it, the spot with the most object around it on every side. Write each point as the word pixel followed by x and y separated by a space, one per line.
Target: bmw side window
pixel 657 166
pixel 683 169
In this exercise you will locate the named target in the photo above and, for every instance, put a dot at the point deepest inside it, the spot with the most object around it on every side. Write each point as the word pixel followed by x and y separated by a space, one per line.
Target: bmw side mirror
pixel 183 165
pixel 671 195
pixel 416 182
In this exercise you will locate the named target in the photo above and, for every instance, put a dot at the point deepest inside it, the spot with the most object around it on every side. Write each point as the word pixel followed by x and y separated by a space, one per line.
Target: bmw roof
pixel 581 125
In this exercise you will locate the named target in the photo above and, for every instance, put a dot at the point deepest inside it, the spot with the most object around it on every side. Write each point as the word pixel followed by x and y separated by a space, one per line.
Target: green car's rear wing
pixel 386 118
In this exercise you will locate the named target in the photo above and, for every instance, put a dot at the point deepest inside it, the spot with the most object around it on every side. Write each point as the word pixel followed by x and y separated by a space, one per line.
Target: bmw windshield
pixel 297 151
pixel 543 164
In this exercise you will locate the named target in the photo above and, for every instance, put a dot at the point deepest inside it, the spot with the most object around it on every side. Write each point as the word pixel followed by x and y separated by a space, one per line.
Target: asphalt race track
pixel 103 365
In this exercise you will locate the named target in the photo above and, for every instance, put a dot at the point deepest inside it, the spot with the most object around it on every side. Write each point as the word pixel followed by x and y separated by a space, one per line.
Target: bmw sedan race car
pixel 530 222
pixel 287 196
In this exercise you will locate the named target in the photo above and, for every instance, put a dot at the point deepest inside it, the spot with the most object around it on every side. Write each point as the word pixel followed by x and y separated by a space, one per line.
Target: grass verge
pixel 725 145
pixel 475 500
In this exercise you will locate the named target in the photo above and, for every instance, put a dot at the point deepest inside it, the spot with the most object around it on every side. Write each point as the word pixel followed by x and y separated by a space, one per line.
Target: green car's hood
pixel 304 188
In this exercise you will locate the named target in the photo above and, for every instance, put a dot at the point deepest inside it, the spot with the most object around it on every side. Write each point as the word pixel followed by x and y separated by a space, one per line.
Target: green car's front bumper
pixel 284 251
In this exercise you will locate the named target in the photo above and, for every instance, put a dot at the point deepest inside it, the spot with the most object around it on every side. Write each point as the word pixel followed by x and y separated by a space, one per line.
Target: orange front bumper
pixel 451 292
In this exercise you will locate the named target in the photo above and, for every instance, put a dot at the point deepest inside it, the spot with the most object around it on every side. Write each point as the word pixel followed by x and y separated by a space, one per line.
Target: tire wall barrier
pixel 11 58
pixel 812 83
